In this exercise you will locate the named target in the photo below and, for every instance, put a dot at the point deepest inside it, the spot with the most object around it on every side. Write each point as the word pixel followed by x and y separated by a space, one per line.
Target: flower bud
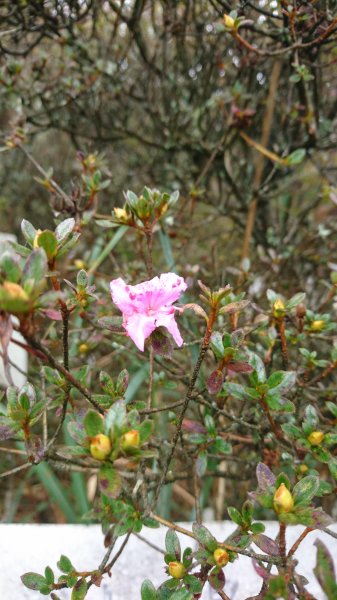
pixel 83 348
pixel 317 325
pixel 36 239
pixel 221 557
pixel 14 291
pixel 176 569
pixel 315 438
pixel 303 468
pixel 283 500
pixel 229 22
pixel 130 440
pixel 100 446
pixel 120 214
pixel 79 264
pixel 279 309
pixel 300 310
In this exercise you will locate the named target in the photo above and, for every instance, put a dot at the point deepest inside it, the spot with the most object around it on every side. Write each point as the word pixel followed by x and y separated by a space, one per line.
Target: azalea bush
pixel 199 383
pixel 181 336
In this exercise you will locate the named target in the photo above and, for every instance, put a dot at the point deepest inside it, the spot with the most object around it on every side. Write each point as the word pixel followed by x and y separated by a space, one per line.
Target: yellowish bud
pixel 14 291
pixel 303 468
pixel 221 557
pixel 80 264
pixel 83 348
pixel 100 446
pixel 317 325
pixel 130 440
pixel 36 239
pixel 176 569
pixel 315 438
pixel 279 309
pixel 90 161
pixel 229 22
pixel 121 214
pixel 283 500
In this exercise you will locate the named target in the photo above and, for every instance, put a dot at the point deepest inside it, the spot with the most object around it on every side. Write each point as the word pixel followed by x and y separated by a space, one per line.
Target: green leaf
pixel 235 389
pixel 235 516
pixel 64 229
pixel 193 583
pixel 221 446
pixel 116 416
pixel 296 157
pixel 93 423
pixel 216 578
pixel 295 300
pixel 291 430
pixel 204 537
pixel 255 361
pixel 33 581
pixel 82 279
pixel 64 564
pixel 47 240
pixel 67 245
pixel 10 267
pixel 35 268
pixel 132 198
pixel 333 467
pixel 106 383
pixel 109 481
pixel 217 345
pixel 257 528
pixel 247 511
pixel 330 439
pixel 71 579
pixel 27 396
pixel 49 575
pixel 148 591
pixel 305 490
pixel 145 430
pixel 332 408
pixel 79 590
pixel 281 381
pixel 29 231
pixel 182 595
pixel 172 544
pixel 187 557
pixel 122 382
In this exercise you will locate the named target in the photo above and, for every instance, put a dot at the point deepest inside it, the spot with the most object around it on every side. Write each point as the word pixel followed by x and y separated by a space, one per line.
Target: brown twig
pixel 260 160
pixel 299 541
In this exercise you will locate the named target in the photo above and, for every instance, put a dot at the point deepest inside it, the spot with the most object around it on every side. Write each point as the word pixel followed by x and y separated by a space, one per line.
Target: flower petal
pixel 139 327
pixel 120 293
pixel 168 321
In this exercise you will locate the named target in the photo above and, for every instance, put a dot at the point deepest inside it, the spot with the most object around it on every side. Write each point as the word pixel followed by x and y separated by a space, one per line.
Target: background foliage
pixel 239 116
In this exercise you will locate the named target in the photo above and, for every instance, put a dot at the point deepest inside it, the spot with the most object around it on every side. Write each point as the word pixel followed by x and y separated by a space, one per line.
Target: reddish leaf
pixel 192 426
pixel 265 477
pixel 261 571
pixel 240 367
pixel 55 315
pixel 266 544
pixel 214 382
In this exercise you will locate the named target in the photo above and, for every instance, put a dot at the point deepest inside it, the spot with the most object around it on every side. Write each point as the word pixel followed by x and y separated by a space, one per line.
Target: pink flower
pixel 149 305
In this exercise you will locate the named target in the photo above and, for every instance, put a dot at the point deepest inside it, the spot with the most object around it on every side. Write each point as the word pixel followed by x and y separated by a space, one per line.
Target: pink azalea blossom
pixel 149 305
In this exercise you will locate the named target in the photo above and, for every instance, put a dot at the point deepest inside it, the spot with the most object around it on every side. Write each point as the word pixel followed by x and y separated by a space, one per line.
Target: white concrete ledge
pixel 32 547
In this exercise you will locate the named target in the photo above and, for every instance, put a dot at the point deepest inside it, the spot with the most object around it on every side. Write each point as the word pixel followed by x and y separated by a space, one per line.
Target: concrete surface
pixel 32 547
